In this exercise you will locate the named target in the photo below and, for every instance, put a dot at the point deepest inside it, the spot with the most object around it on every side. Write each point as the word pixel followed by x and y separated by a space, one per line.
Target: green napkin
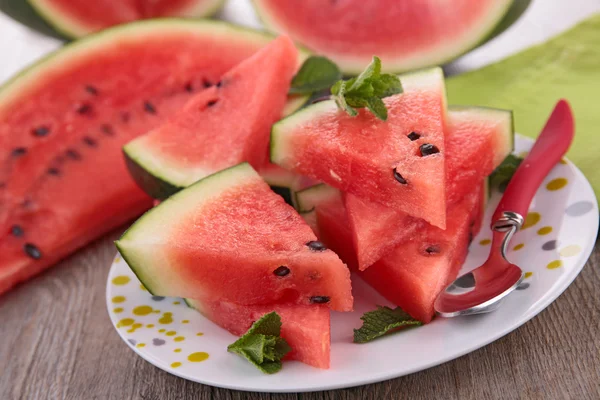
pixel 532 81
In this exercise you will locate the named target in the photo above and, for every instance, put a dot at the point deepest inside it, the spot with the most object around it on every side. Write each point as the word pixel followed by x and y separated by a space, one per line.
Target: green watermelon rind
pixel 499 22
pixel 71 29
pixel 206 188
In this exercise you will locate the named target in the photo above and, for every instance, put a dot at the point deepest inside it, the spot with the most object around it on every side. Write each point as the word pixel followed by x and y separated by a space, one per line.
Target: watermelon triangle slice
pixel 305 328
pixel 220 127
pixel 478 140
pixel 227 236
pixel 398 163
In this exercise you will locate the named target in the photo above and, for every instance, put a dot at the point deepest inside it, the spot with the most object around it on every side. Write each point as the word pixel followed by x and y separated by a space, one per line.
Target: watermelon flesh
pixel 305 328
pixel 405 34
pixel 76 18
pixel 227 235
pixel 217 128
pixel 380 161
pixel 63 180
pixel 477 142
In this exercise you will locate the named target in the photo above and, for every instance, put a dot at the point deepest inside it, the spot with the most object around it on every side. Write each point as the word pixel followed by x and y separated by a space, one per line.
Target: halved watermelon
pixel 398 163
pixel 217 128
pixel 76 18
pixel 478 140
pixel 405 34
pixel 63 122
pixel 230 237
pixel 305 328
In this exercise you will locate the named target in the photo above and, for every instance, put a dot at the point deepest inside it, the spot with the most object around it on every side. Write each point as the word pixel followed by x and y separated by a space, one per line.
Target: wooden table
pixel 56 342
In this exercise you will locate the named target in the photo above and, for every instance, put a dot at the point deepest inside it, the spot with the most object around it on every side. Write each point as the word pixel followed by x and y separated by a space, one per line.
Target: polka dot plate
pixel 553 247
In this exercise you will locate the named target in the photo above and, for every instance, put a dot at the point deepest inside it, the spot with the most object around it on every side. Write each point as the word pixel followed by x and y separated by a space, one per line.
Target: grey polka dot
pixel 580 208
pixel 550 245
pixel 523 286
pixel 158 298
pixel 158 342
pixel 133 342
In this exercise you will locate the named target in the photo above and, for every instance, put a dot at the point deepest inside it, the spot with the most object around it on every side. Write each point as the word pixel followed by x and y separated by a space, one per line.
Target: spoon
pixel 482 290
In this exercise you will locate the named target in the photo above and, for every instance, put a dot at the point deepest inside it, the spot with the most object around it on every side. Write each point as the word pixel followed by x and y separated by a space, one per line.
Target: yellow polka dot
pixel 166 318
pixel 175 365
pixel 118 299
pixel 185 321
pixel 198 356
pixel 161 330
pixel 150 326
pixel 125 322
pixel 177 350
pixel 556 184
pixel 121 280
pixel 562 161
pixel 528 274
pixel 117 258
pixel 118 310
pixel 142 310
pixel 544 230
pixel 531 219
pixel 143 288
pixel 171 333
pixel 134 327
pixel 570 251
pixel 179 339
pixel 140 345
pixel 519 246
pixel 554 264
pixel 200 334
pixel 485 242
pixel 176 302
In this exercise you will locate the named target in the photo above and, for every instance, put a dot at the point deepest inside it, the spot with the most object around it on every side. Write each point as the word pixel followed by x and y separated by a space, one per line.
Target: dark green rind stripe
pixel 155 186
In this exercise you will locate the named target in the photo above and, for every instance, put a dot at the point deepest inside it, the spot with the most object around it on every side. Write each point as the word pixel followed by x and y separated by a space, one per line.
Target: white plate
pixel 555 250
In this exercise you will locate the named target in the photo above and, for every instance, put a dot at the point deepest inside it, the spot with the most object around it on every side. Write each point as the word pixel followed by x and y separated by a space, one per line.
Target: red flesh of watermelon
pixel 63 181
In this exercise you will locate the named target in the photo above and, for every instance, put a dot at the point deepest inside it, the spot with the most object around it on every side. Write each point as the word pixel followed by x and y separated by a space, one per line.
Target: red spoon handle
pixel 550 146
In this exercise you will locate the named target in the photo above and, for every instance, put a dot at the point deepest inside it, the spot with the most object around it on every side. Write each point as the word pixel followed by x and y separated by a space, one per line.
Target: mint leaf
pixel 504 172
pixel 262 344
pixel 381 321
pixel 367 90
pixel 316 73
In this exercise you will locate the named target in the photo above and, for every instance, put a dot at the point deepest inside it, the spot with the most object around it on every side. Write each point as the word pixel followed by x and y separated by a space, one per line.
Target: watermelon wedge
pixel 64 121
pixel 305 328
pixel 217 128
pixel 399 163
pixel 227 235
pixel 405 34
pixel 76 18
pixel 477 142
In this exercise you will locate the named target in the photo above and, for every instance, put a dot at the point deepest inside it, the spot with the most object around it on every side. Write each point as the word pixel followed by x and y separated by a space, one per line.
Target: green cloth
pixel 532 81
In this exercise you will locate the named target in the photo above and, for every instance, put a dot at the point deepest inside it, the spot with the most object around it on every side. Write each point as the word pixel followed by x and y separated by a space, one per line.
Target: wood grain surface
pixel 57 342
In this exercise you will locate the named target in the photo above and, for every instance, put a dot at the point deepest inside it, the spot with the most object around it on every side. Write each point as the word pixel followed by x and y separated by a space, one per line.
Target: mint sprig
pixel 381 321
pixel 367 90
pixel 316 73
pixel 504 172
pixel 262 345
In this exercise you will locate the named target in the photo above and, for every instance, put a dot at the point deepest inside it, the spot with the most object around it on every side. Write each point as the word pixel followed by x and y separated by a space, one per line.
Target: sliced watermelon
pixel 387 162
pixel 305 328
pixel 227 235
pixel 76 18
pixel 405 34
pixel 63 122
pixel 217 128
pixel 478 140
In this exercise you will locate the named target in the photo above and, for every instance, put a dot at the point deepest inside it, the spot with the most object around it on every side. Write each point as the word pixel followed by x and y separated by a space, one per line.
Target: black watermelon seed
pixel 316 245
pixel 428 149
pixel 206 83
pixel 18 151
pixel 432 249
pixel 32 251
pixel 41 131
pixel 413 136
pixel 107 130
pixel 399 177
pixel 220 83
pixel 211 103
pixel 73 154
pixel 84 109
pixel 90 141
pixel 282 271
pixel 149 107
pixel 125 117
pixel 189 87
pixel 16 230
pixel 91 90
pixel 319 299
pixel 53 171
